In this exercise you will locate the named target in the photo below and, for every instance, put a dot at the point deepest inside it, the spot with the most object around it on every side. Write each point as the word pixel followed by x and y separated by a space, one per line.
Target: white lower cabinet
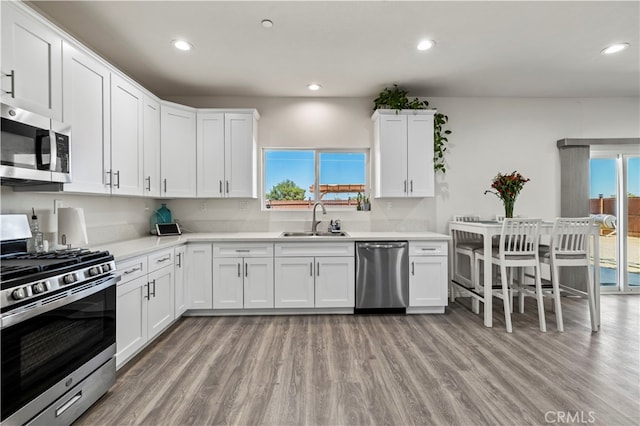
pixel 181 296
pixel 144 302
pixel 428 274
pixel 320 275
pixel 199 276
pixel 243 276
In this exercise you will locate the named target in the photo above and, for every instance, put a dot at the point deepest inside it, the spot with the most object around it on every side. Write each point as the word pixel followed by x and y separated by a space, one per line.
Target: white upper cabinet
pixel 227 153
pixel 127 104
pixel 31 63
pixel 151 144
pixel 178 150
pixel 86 110
pixel 403 149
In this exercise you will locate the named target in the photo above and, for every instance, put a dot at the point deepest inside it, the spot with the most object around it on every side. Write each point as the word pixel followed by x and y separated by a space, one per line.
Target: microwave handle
pixel 53 149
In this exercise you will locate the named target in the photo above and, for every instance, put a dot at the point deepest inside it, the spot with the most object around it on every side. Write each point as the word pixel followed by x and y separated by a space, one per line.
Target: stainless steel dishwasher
pixel 382 276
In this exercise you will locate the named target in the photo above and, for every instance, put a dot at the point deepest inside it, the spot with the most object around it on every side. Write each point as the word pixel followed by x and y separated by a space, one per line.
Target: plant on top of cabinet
pixel 396 98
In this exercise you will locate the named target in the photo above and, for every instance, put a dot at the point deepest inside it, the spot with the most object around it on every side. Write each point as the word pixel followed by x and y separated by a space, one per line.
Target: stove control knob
pixel 94 271
pixel 39 288
pixel 69 279
pixel 106 267
pixel 18 294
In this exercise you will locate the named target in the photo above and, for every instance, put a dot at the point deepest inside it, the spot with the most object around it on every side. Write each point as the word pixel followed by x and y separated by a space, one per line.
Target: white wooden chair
pixel 569 246
pixel 464 244
pixel 518 248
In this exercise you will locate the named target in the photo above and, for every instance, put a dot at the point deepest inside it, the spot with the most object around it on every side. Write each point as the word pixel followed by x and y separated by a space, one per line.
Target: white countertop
pixel 136 247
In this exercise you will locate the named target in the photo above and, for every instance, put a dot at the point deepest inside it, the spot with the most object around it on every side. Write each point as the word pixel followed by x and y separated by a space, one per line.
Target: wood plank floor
pixel 389 370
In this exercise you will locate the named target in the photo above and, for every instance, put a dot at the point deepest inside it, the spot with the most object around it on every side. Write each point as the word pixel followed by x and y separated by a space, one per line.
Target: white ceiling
pixel 354 49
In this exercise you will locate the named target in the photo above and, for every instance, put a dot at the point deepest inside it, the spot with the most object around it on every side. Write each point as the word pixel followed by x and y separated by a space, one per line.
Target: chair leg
pixel 475 303
pixel 505 298
pixel 592 299
pixel 539 296
pixel 555 281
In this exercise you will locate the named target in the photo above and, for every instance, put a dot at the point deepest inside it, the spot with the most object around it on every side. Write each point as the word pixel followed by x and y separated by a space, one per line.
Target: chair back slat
pixel 570 235
pixel 520 236
pixel 466 236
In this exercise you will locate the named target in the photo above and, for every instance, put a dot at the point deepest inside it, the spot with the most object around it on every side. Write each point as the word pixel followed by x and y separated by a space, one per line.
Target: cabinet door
pixel 240 156
pixel 151 147
pixel 420 156
pixel 131 318
pixel 428 281
pixel 335 282
pixel 178 151
pixel 160 311
pixel 126 137
pixel 180 294
pixel 210 135
pixel 199 276
pixel 294 282
pixel 391 156
pixel 86 109
pixel 33 53
pixel 227 283
pixel 258 283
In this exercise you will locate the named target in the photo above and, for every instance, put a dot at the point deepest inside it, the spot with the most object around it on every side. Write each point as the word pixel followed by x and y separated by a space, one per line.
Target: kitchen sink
pixel 314 234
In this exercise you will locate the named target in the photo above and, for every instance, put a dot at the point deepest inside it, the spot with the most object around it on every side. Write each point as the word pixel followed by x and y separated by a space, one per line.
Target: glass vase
pixel 508 207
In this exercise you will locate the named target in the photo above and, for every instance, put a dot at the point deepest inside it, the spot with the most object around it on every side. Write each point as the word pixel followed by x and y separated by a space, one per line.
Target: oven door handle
pixel 58 300
pixel 53 150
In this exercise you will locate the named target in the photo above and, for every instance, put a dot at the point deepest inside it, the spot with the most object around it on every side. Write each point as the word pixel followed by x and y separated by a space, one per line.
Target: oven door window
pixel 41 351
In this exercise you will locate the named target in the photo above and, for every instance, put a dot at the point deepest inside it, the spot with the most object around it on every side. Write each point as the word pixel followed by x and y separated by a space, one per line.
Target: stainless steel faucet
pixel 314 222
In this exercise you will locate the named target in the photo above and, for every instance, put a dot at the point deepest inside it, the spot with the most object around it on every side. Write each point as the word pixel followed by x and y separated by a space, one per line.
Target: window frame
pixel 316 183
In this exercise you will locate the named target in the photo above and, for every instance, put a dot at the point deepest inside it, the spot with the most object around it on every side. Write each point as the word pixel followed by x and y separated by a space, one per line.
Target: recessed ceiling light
pixel 182 45
pixel 267 23
pixel 614 48
pixel 313 86
pixel 426 44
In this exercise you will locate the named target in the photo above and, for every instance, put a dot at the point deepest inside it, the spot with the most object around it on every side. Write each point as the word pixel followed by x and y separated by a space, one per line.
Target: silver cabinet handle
pixel 411 185
pixel 405 185
pixel 227 186
pixel 179 260
pixel 243 250
pixel 246 270
pixel 428 249
pixel 12 75
pixel 108 172
pixel 164 259
pixel 318 269
pixel 239 274
pixel 165 185
pixel 154 288
pixel 147 286
pixel 117 173
pixel 132 270
pixel 148 183
pixel 311 269
pixel 221 187
pixel 413 268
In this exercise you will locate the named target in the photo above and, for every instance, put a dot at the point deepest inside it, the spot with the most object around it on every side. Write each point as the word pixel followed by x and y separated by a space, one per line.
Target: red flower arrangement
pixel 507 187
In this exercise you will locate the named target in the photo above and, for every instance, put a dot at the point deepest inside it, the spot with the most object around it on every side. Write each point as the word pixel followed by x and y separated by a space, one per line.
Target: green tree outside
pixel 286 190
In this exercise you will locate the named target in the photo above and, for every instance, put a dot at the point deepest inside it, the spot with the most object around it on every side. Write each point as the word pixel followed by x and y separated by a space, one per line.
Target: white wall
pixel 490 135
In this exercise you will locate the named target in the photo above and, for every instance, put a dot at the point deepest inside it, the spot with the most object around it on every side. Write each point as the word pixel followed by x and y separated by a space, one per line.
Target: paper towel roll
pixel 72 229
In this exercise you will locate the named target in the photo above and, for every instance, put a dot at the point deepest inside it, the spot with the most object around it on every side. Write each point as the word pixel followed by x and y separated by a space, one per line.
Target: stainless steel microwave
pixel 34 149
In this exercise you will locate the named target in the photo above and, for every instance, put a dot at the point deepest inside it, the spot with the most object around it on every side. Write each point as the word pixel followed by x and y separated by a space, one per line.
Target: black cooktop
pixel 40 265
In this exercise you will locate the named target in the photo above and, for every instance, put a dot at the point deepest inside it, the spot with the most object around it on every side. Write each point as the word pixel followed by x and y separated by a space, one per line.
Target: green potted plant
pixel 396 98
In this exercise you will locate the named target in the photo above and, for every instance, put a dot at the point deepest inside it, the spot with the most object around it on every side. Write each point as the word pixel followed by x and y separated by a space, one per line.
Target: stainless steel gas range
pixel 58 329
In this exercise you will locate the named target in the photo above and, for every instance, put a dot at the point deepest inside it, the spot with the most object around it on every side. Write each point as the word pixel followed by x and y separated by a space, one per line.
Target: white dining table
pixel 491 228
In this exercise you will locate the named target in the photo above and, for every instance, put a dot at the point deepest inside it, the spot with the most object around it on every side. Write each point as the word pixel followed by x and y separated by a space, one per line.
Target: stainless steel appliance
pixel 382 276
pixel 58 329
pixel 35 149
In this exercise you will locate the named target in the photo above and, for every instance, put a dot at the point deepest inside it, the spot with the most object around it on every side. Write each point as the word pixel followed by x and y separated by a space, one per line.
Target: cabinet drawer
pixel 428 248
pixel 131 269
pixel 243 250
pixel 314 249
pixel 160 259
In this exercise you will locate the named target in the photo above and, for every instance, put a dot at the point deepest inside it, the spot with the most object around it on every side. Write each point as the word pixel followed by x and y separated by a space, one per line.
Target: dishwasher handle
pixel 390 245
